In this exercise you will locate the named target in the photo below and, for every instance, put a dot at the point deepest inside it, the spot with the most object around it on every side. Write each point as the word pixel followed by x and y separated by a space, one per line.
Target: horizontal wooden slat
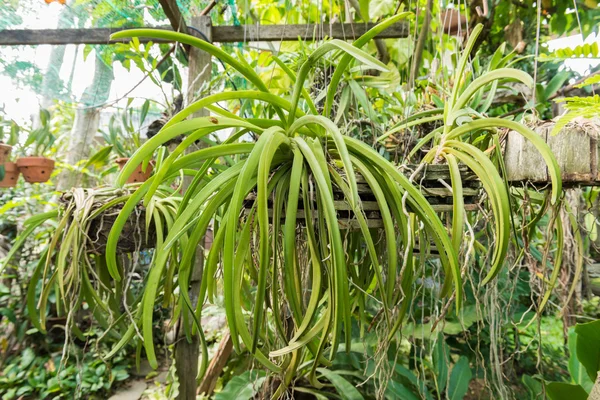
pixel 221 34
pixel 432 172
pixel 376 222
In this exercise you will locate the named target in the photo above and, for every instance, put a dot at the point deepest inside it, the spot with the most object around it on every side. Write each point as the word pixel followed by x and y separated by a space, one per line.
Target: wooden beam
pixel 172 12
pixel 220 34
pixel 308 32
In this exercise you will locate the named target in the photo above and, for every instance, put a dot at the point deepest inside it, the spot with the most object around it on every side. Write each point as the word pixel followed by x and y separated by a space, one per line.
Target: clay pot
pixel 138 175
pixel 4 152
pixel 11 175
pixel 35 169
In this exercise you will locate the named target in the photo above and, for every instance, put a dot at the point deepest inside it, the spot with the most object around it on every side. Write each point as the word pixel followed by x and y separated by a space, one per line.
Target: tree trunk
pixel 85 126
pixel 420 46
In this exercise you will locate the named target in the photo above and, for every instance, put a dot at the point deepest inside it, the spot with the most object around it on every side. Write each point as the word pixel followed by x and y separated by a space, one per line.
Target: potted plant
pixel 37 168
pixel 125 140
pixel 9 135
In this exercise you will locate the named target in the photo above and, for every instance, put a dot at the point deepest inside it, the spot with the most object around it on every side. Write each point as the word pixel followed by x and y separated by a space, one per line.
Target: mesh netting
pixel 39 14
pixel 81 75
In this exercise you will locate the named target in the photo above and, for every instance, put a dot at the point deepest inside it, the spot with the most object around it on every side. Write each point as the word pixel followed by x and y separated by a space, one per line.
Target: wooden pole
pixel 217 364
pixel 187 353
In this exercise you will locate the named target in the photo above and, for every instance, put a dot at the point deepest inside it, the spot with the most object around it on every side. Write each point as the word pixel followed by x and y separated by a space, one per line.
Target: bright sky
pixel 20 104
pixel 582 66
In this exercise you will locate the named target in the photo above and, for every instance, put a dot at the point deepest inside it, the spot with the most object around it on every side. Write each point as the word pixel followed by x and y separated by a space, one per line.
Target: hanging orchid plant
pixel 294 278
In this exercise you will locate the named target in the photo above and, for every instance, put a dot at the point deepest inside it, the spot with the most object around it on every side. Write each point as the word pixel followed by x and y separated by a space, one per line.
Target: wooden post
pixel 595 393
pixel 187 353
pixel 200 66
pixel 216 366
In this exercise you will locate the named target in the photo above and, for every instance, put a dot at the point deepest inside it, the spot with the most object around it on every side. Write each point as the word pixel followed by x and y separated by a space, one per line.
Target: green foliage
pixel 289 151
pixel 593 79
pixel 24 73
pixel 308 161
pixel 243 386
pixel 453 142
pixel 123 133
pixel 459 379
pixel 577 370
pixel 31 375
pixel 588 347
pixel 577 107
pixel 534 387
pixel 9 132
pixel 584 363
pixel 587 51
pixel 345 389
pixel 40 140
pixel 565 391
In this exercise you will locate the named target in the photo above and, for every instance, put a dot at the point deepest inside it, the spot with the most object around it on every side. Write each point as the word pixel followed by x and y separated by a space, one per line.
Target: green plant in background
pixel 124 130
pixel 584 364
pixel 72 267
pixel 9 132
pixel 579 107
pixel 30 375
pixel 9 135
pixel 40 140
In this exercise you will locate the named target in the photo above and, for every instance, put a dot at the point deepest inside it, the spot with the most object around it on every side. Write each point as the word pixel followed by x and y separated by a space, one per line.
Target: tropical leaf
pixel 576 368
pixel 344 388
pixel 587 51
pixel 458 385
pixel 588 347
pixel 565 391
pixel 243 386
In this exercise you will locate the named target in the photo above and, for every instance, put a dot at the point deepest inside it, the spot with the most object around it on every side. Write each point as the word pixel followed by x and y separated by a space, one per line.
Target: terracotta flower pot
pixel 11 175
pixel 35 169
pixel 4 152
pixel 138 175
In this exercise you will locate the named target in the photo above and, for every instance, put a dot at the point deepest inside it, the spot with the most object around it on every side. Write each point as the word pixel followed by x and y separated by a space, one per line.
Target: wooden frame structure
pixel 220 34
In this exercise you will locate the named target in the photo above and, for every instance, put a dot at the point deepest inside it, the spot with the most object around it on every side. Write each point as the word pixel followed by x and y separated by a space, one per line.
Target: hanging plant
pixel 267 259
pixel 73 263
pixel 293 288
pixel 464 130
pixel 125 138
